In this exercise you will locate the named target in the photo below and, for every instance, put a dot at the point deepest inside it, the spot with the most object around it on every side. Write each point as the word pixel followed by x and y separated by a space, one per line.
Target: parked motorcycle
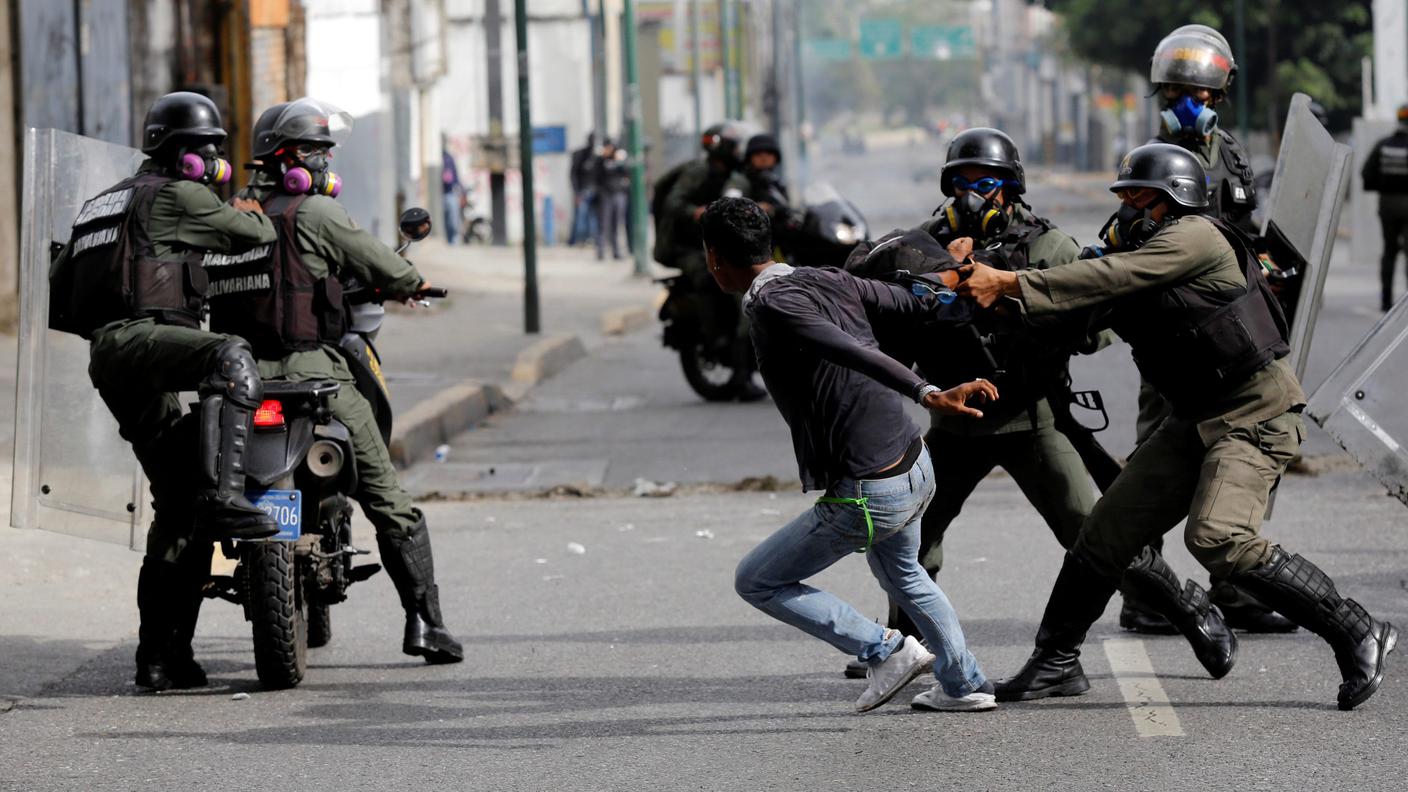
pixel 705 327
pixel 301 470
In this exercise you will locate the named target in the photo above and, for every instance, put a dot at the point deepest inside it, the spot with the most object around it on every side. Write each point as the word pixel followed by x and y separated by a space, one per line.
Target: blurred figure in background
pixel 611 183
pixel 583 215
pixel 1386 172
pixel 452 191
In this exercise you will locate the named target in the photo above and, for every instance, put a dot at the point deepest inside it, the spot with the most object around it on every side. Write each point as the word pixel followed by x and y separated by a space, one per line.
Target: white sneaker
pixel 937 700
pixel 899 669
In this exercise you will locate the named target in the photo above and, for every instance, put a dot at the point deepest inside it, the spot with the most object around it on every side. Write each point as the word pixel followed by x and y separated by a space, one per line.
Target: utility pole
pixel 775 79
pixel 726 53
pixel 531 322
pixel 497 144
pixel 1243 109
pixel 633 142
pixel 599 70
pixel 696 67
pixel 799 89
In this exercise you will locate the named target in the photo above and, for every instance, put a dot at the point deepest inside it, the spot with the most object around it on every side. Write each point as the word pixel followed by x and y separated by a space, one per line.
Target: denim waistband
pixel 909 481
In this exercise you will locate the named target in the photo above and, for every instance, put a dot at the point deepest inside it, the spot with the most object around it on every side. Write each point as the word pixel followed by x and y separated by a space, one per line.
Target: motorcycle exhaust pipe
pixel 325 459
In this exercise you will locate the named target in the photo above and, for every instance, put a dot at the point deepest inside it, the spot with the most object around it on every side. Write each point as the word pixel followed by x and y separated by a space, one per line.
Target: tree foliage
pixel 1318 44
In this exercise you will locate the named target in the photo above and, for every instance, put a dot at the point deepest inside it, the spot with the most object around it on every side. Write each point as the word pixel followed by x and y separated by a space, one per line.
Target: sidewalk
pixel 469 352
pixel 69 599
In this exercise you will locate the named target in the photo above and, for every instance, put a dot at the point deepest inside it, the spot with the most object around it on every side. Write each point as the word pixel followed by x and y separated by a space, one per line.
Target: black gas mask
pixel 972 215
pixel 1130 227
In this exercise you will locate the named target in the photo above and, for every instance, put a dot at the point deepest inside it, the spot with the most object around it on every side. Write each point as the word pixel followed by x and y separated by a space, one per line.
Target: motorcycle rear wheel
pixel 278 612
pixel 709 378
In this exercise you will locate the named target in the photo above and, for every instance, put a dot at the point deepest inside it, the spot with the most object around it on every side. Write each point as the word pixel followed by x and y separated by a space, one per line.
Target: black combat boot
pixel 409 564
pixel 155 588
pixel 222 510
pixel 1152 581
pixel 1307 596
pixel 1139 617
pixel 179 659
pixel 1244 612
pixel 1077 600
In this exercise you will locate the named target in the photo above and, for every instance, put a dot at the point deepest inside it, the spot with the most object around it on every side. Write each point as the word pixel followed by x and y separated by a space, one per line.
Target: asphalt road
pixel 608 650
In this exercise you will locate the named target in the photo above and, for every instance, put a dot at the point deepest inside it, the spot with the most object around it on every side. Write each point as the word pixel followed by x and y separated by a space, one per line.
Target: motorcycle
pixel 705 325
pixel 301 470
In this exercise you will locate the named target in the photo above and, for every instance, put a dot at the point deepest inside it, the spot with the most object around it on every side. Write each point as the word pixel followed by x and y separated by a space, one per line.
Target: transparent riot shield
pixel 1302 216
pixel 1361 403
pixel 73 473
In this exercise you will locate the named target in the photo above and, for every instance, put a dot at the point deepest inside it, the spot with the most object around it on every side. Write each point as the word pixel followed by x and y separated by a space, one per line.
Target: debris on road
pixel 239 697
pixel 540 560
pixel 576 549
pixel 704 534
pixel 442 452
pixel 646 488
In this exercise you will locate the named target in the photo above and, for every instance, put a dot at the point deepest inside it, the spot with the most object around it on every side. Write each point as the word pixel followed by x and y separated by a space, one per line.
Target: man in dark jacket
pixel 843 400
pixel 1386 172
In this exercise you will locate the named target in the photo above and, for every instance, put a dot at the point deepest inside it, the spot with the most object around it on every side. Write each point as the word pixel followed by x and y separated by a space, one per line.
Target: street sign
pixel 828 49
pixel 881 39
pixel 942 42
pixel 549 139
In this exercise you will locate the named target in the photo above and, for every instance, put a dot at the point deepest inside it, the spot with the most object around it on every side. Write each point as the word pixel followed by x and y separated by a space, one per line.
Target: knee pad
pixel 236 376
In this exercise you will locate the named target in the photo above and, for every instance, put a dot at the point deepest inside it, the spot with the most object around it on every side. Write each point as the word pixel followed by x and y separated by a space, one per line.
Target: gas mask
pixel 310 175
pixel 1129 228
pixel 1188 116
pixel 974 216
pixel 204 165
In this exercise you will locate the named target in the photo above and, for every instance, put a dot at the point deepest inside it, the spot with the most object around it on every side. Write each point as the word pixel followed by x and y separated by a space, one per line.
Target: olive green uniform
pixel 1214 467
pixel 698 185
pixel 330 242
pixel 1025 443
pixel 139 366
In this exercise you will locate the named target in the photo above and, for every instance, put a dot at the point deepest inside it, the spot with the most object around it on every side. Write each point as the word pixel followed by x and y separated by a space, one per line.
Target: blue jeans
pixel 453 217
pixel 769 578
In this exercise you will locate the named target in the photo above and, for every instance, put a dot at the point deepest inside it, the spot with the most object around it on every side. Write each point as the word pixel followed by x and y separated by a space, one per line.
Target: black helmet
pixel 300 121
pixel 1172 170
pixel 762 142
pixel 1193 55
pixel 182 115
pixel 989 148
pixel 723 141
pixel 262 142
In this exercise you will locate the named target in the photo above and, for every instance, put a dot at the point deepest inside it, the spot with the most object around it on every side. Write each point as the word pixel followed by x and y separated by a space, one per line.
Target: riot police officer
pixel 295 317
pixel 131 280
pixel 700 183
pixel 1234 428
pixel 1386 172
pixel 1191 70
pixel 1029 432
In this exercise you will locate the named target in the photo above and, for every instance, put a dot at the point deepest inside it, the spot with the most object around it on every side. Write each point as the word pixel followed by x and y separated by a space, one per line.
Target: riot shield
pixel 72 473
pixel 1302 216
pixel 1361 403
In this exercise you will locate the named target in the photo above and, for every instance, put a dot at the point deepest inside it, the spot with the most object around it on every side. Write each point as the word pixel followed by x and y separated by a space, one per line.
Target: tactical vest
pixel 270 298
pixel 1231 183
pixel 1391 176
pixel 109 269
pixel 1194 346
pixel 1022 366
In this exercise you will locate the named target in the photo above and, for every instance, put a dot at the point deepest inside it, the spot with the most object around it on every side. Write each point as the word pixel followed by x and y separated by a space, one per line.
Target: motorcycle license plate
pixel 286 507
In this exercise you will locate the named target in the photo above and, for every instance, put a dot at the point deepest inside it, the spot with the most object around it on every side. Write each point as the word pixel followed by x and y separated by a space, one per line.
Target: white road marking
pixel 1148 703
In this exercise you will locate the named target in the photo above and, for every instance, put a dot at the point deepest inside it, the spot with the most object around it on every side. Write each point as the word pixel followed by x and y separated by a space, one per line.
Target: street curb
pixel 624 320
pixel 547 357
pixel 455 409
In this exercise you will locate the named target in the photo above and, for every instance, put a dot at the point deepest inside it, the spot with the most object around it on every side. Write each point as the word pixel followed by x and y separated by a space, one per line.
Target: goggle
pixel 306 150
pixel 982 186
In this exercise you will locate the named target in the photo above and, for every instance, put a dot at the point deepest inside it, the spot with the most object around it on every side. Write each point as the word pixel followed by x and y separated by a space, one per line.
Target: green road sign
pixel 881 39
pixel 942 42
pixel 829 49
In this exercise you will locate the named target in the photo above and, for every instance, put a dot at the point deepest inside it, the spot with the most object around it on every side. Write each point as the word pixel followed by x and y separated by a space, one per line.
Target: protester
pixel 841 397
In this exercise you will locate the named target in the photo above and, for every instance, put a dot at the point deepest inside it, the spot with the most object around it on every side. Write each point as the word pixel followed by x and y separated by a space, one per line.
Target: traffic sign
pixel 829 49
pixel 881 39
pixel 942 42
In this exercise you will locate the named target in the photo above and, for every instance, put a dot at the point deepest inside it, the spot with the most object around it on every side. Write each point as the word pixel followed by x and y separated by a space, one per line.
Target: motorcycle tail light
pixel 269 415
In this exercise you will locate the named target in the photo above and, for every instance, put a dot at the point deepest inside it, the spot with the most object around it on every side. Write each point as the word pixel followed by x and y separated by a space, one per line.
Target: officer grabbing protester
pixel 289 305
pixel 131 280
pixel 1235 425
pixel 1030 432
pixel 1386 172
pixel 1191 70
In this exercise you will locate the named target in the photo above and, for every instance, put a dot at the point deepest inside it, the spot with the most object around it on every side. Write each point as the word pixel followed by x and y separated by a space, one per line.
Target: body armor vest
pixel 1391 176
pixel 1022 366
pixel 1194 346
pixel 109 270
pixel 270 298
pixel 1231 183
